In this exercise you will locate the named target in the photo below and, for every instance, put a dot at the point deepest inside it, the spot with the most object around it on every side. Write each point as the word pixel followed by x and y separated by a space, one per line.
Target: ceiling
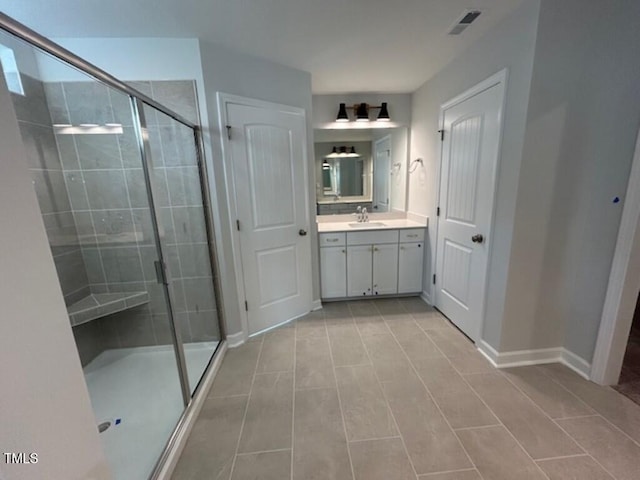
pixel 347 45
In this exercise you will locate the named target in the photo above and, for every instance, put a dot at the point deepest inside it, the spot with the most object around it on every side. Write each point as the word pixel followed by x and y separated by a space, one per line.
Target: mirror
pixel 360 167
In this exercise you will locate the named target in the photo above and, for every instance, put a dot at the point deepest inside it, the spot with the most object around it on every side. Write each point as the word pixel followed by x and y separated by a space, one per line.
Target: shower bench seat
pixel 99 305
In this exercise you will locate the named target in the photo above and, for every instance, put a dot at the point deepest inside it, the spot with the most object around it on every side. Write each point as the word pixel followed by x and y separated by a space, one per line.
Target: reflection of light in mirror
pixel 88 129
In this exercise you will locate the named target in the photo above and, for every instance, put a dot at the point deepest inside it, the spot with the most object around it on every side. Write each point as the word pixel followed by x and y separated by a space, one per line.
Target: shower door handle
pixel 161 272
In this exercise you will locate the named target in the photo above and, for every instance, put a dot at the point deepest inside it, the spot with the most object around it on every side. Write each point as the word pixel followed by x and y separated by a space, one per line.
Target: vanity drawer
pixel 332 239
pixel 412 235
pixel 372 237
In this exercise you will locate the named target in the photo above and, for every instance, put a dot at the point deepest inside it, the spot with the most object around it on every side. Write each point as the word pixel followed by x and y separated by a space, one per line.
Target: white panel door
pixel 385 269
pixel 267 149
pixel 359 270
pixel 333 272
pixel 410 258
pixel 467 183
pixel 381 174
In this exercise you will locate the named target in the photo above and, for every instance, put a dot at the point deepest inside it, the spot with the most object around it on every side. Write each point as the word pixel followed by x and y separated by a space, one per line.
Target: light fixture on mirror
pixel 361 112
pixel 342 152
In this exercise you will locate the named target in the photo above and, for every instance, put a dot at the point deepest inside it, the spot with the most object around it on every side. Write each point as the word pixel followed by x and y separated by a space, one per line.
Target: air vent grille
pixel 463 22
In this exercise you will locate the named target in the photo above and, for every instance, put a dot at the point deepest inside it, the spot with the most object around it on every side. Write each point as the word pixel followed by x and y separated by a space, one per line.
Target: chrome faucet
pixel 361 214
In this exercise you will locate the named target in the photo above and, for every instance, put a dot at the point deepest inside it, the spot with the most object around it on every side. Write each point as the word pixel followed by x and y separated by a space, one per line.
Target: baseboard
pixel 181 435
pixel 425 296
pixel 236 339
pixel 540 356
pixel 316 305
pixel 576 363
pixel 519 358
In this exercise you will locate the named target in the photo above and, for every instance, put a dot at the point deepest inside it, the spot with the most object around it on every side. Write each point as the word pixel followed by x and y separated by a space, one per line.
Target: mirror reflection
pixel 360 167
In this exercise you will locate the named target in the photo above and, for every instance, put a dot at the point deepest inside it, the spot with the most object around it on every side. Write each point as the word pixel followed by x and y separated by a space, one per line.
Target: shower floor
pixel 140 386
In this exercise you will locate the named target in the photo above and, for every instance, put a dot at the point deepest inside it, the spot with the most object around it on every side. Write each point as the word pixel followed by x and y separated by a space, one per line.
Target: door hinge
pixel 246 306
pixel 238 224
pixel 229 132
pixel 437 211
pixel 441 132
pixel 434 278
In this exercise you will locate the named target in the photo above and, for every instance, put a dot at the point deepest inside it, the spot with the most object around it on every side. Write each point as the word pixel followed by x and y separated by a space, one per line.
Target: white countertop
pixel 390 224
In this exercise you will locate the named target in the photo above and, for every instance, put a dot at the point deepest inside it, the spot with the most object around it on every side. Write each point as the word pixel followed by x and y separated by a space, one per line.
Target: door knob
pixel 477 238
pixel 302 232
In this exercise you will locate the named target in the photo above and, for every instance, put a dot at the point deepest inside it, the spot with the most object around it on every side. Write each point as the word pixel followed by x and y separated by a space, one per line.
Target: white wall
pixel 227 71
pixel 583 117
pixel 44 402
pixel 509 45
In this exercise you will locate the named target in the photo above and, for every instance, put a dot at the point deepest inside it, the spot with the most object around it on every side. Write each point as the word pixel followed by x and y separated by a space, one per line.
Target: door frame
pixel 373 182
pixel 223 100
pixel 624 283
pixel 499 78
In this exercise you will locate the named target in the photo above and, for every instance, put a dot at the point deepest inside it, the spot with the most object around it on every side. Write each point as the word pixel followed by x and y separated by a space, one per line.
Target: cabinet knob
pixel 401 248
pixel 375 249
pixel 344 251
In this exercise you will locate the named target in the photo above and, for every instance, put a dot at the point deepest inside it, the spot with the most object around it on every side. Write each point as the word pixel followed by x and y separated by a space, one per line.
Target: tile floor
pixel 389 390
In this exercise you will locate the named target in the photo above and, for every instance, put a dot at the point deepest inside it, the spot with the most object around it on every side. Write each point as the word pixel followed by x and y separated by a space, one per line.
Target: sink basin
pixel 367 225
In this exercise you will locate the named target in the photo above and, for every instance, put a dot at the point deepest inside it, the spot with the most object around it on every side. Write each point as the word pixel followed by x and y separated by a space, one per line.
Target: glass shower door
pixel 180 179
pixel 84 150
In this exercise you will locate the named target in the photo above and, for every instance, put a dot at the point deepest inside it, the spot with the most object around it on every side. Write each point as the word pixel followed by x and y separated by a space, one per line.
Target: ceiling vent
pixel 464 21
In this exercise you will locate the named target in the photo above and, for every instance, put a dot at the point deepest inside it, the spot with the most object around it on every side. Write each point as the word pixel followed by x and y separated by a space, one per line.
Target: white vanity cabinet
pixel 333 265
pixel 359 270
pixel 410 258
pixel 371 262
pixel 385 269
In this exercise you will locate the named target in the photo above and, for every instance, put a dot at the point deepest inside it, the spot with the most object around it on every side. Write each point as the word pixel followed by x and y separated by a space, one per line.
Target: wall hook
pixel 414 165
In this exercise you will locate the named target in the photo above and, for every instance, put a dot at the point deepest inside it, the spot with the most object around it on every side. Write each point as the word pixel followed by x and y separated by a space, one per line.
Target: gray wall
pixel 509 45
pixel 34 120
pixel 583 118
pixel 227 71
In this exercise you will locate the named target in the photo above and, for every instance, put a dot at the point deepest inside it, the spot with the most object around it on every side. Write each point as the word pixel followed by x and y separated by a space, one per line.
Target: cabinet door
pixel 410 267
pixel 359 270
pixel 385 269
pixel 333 272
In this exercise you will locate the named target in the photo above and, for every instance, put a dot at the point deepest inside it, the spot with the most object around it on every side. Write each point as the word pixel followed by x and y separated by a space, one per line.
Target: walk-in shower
pixel 123 195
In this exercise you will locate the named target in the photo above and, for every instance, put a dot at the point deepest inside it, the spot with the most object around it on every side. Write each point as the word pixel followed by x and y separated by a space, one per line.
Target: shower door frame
pixel 138 100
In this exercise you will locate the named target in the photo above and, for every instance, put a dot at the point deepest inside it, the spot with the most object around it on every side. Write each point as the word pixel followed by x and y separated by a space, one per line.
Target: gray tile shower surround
pixel 390 390
pixel 93 199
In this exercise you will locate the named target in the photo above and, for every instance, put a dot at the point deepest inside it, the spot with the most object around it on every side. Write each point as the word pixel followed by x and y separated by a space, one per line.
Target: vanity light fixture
pixel 342 114
pixel 361 112
pixel 342 152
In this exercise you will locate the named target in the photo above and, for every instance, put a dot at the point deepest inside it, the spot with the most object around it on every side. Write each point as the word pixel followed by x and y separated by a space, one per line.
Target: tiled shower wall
pixel 48 178
pixel 94 202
